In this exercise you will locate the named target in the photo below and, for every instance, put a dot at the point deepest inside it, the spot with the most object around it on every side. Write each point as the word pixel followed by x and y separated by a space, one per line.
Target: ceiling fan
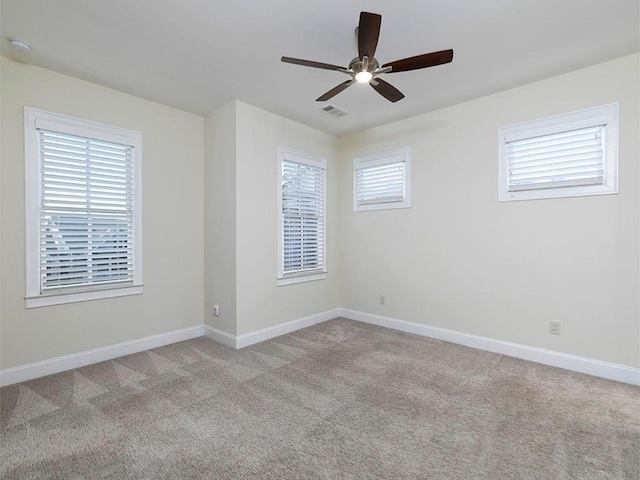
pixel 365 68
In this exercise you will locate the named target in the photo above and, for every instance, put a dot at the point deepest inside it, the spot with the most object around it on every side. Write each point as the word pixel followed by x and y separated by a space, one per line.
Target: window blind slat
pixel 556 170
pixel 575 161
pixel 551 154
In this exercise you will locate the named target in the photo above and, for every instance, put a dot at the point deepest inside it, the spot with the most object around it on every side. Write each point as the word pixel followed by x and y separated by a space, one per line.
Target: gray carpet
pixel 338 400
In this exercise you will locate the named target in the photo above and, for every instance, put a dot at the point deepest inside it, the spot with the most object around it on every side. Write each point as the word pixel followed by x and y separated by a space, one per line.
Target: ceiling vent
pixel 335 111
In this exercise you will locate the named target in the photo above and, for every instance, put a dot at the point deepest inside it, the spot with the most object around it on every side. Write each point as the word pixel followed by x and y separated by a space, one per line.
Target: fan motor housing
pixel 357 65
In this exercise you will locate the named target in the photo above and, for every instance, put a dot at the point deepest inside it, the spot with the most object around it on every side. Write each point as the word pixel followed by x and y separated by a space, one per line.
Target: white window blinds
pixel 380 183
pixel 86 211
pixel 302 217
pixel 568 155
pixel 564 159
pixel 382 180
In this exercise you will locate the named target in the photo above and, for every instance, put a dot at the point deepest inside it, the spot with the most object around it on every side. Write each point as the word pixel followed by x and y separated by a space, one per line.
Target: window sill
pixel 381 206
pixel 301 278
pixel 580 191
pixel 47 300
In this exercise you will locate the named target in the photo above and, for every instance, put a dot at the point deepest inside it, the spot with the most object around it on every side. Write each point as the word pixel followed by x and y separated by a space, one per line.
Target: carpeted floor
pixel 338 400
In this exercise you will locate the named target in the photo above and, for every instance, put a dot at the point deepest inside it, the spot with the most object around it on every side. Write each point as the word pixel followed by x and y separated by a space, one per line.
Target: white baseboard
pixel 589 366
pixel 219 336
pixel 271 332
pixel 612 371
pixel 257 336
pixel 30 371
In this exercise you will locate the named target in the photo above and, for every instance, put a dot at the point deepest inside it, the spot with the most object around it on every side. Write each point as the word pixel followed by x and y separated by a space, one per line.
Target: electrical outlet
pixel 216 310
pixel 383 300
pixel 554 327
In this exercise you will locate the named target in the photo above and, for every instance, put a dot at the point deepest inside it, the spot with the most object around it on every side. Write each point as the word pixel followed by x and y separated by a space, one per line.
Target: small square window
pixel 564 156
pixel 382 181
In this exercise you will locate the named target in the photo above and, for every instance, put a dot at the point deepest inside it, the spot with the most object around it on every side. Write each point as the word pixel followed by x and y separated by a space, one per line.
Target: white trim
pixel 309 277
pixel 611 371
pixel 268 333
pixel 59 299
pixel 41 119
pixel 23 373
pixel 219 336
pixel 297 156
pixel 257 336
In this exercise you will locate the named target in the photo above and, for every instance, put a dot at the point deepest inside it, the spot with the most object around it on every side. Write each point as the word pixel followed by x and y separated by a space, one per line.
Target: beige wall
pixel 260 302
pixel 460 260
pixel 457 259
pixel 172 221
pixel 220 218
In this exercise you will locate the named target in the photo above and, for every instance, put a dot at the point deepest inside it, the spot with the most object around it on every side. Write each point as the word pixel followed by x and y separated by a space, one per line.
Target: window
pixel 564 156
pixel 301 209
pixel 382 181
pixel 83 213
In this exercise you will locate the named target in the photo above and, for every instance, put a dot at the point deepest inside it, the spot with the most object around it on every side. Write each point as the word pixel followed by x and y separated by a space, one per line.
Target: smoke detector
pixel 20 45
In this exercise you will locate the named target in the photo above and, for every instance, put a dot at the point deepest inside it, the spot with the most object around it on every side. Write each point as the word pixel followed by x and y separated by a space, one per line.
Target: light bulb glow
pixel 363 77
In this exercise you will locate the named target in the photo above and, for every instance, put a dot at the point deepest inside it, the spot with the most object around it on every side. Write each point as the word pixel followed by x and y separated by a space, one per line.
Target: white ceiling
pixel 197 55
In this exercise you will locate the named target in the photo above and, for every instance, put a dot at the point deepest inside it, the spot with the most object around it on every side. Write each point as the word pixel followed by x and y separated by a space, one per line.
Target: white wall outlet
pixel 383 299
pixel 554 327
pixel 216 310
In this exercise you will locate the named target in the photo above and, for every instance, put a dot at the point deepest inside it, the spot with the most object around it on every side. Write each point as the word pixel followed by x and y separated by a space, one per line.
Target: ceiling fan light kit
pixel 363 77
pixel 365 68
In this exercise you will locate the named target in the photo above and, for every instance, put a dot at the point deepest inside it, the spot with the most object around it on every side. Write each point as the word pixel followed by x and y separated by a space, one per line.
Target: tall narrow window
pixel 302 217
pixel 382 181
pixel 568 155
pixel 82 210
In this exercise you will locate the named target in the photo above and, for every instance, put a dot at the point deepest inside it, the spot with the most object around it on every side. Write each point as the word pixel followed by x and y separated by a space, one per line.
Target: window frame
pixel 383 158
pixel 34 120
pixel 296 156
pixel 602 115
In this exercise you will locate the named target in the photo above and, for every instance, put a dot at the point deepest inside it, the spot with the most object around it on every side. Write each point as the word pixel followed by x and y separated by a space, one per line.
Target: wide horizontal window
pixel 569 155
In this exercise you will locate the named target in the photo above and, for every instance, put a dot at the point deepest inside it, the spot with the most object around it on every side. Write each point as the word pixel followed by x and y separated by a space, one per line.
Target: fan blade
pixel 336 90
pixel 420 61
pixel 309 63
pixel 387 90
pixel 368 33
